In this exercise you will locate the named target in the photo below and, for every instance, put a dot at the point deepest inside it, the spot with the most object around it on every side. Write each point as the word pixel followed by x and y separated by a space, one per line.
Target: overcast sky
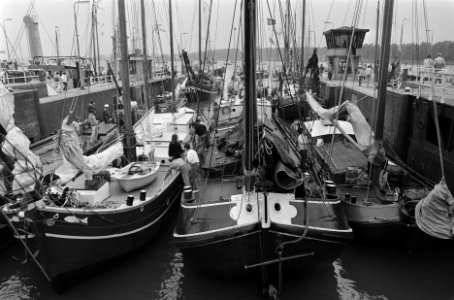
pixel 53 14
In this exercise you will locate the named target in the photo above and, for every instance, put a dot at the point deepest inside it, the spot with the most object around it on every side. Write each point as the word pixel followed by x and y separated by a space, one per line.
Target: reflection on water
pixel 172 278
pixel 346 288
pixel 15 287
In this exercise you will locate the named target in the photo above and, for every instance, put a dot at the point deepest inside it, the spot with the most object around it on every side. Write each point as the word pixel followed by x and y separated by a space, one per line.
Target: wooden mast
pixel 384 62
pixel 376 41
pixel 146 92
pixel 302 47
pixel 200 36
pixel 251 89
pixel 171 54
pixel 129 136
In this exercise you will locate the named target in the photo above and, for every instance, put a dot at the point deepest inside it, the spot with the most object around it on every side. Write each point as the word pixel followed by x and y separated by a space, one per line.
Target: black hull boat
pixel 73 242
pixel 195 94
pixel 212 241
pixel 264 220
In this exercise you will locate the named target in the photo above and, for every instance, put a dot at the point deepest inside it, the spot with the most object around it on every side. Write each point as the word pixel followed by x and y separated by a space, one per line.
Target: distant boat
pixel 201 86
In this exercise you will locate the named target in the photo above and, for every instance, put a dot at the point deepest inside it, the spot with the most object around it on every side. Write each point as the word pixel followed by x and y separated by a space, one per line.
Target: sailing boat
pixel 379 195
pixel 261 223
pixel 84 223
pixel 201 86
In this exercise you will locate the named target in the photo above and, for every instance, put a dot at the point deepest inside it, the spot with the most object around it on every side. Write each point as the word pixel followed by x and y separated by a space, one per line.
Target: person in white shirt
pixel 193 159
pixel 64 80
pixel 428 62
pixel 367 74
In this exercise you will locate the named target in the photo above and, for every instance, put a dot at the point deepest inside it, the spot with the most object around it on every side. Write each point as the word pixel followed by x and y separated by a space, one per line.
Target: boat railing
pixel 18 77
pixel 102 79
pixel 442 80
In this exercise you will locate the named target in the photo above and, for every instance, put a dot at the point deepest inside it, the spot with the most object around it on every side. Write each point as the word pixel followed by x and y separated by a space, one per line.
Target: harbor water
pixel 158 271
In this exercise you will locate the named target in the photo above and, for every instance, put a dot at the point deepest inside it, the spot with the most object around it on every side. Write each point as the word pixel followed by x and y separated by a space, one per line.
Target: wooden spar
pixel 129 136
pixel 384 61
pixel 93 37
pixel 200 36
pixel 376 39
pixel 302 47
pixel 171 54
pixel 146 93
pixel 251 89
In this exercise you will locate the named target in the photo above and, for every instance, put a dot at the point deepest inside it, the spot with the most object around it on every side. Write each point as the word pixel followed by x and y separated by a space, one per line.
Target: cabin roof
pixel 345 29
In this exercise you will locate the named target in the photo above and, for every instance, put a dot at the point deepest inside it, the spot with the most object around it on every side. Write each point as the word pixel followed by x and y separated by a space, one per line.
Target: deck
pixel 443 89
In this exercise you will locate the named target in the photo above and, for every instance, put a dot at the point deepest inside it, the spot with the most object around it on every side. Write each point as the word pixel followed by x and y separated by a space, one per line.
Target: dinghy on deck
pixel 135 175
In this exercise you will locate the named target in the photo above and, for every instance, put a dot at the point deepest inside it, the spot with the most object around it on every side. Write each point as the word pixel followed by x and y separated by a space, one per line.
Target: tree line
pixel 411 53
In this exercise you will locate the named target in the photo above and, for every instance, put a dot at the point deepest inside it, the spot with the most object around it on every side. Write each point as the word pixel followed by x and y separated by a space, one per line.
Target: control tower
pixel 338 42
pixel 34 39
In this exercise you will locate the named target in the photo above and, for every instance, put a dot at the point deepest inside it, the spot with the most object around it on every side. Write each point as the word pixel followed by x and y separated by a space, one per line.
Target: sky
pixel 58 16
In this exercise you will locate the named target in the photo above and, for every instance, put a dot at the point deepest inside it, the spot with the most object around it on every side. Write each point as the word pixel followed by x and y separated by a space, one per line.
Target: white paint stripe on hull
pixel 243 225
pixel 111 236
pixel 233 203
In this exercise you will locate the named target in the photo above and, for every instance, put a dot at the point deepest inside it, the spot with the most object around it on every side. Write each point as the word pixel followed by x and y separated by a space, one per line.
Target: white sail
pixel 363 132
pixel 27 166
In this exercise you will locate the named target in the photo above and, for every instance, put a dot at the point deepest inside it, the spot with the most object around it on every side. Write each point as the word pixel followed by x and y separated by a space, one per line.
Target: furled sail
pixel 23 167
pixel 434 214
pixel 363 133
pixel 73 160
pixel 287 174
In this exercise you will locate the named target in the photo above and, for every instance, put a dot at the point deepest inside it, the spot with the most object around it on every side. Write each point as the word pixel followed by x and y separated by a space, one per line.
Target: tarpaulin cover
pixel 434 214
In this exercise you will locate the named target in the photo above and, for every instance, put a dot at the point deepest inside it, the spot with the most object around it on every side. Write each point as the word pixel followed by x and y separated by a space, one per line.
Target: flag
pixel 271 21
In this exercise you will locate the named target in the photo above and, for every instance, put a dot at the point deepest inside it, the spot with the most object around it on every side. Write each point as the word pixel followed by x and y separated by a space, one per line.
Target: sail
pixel 286 173
pixel 145 129
pixel 434 214
pixel 363 132
pixel 25 166
pixel 73 160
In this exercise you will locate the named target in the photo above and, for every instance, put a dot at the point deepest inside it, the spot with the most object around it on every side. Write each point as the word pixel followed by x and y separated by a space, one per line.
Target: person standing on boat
pixel 107 118
pixel 175 149
pixel 330 72
pixel 193 160
pixel 64 80
pixel 94 125
pixel 368 74
pixel 303 143
pixel 201 131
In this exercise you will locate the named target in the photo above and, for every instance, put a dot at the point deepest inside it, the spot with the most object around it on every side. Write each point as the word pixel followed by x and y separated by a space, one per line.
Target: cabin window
pixel 445 130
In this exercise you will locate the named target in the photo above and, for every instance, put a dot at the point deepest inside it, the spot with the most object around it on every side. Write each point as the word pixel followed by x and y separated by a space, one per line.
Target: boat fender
pixel 396 194
pixel 383 179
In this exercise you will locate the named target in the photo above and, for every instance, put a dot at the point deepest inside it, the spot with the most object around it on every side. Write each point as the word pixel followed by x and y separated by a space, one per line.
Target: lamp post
pixel 6 36
pixel 81 74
